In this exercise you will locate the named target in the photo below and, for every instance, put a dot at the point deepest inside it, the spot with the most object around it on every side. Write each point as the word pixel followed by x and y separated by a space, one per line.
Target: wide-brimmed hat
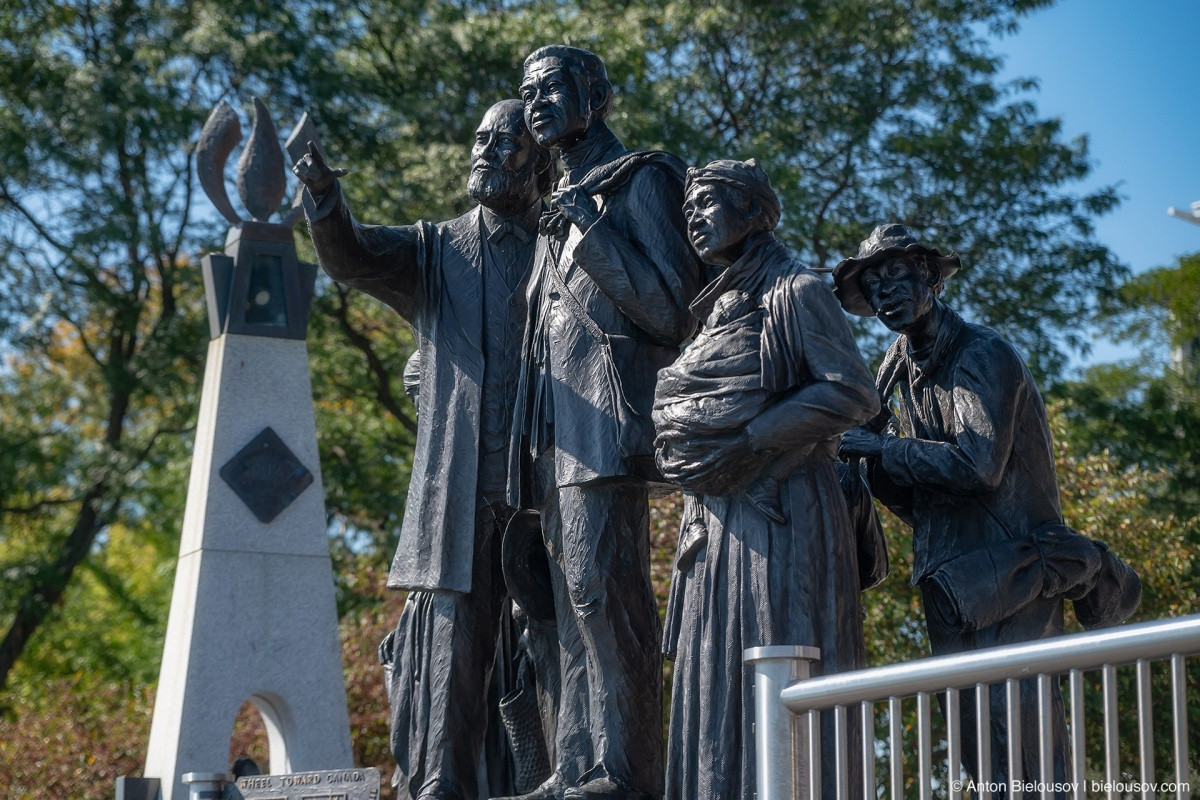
pixel 886 241
pixel 527 567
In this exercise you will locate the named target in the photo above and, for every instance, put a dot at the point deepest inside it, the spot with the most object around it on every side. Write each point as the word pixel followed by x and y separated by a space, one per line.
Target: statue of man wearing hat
pixel 973 470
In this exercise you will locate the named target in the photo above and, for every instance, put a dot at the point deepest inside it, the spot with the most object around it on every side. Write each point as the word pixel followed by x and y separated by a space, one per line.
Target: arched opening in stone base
pixel 260 734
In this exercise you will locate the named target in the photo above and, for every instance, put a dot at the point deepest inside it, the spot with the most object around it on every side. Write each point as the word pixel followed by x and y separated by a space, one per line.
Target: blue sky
pixel 1127 75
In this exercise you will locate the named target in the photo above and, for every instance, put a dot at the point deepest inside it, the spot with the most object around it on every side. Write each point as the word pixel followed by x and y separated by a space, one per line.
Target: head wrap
pixel 746 177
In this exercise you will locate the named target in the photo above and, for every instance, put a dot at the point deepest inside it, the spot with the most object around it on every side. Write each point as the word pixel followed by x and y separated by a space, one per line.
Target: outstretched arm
pixel 383 261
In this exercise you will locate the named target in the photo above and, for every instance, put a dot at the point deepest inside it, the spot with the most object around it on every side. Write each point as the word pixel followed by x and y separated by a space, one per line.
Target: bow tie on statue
pixel 507 228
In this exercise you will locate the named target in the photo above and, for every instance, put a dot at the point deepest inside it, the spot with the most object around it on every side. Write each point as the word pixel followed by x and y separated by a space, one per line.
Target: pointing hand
pixel 314 173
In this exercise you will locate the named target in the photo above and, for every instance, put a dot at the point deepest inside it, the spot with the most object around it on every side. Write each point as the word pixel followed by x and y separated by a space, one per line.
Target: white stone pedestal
pixel 253 615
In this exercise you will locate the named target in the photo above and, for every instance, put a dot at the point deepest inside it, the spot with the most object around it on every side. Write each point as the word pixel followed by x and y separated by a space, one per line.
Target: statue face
pixel 556 108
pixel 898 290
pixel 503 160
pixel 717 223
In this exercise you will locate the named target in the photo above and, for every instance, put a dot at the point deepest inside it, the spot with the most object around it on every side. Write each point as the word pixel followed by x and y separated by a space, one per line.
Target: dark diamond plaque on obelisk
pixel 266 475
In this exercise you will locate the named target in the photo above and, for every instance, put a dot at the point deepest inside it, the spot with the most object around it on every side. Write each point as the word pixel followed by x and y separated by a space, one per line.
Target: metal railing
pixel 1043 661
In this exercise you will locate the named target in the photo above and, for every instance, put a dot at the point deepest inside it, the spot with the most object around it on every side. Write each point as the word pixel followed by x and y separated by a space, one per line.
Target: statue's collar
pixel 526 220
pixel 600 146
pixel 925 362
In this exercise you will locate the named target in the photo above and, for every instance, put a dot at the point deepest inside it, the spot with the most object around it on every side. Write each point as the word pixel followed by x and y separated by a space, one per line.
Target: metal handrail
pixel 1004 667
pixel 1148 640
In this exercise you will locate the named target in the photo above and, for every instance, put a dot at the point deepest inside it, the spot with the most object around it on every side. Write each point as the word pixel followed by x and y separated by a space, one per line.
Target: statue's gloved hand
pixel 553 224
pixel 314 173
pixel 884 421
pixel 860 442
pixel 717 465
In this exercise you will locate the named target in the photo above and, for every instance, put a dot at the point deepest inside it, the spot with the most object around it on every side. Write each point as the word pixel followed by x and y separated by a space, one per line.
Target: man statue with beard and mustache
pixel 461 284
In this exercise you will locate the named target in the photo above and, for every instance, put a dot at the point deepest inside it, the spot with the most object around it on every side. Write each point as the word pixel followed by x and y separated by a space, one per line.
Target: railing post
pixel 206 785
pixel 779 742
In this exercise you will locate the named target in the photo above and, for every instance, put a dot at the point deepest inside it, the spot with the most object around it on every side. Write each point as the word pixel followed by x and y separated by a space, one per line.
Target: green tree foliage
pixel 101 314
pixel 94 204
pixel 893 112
pixel 1168 298
pixel 1147 412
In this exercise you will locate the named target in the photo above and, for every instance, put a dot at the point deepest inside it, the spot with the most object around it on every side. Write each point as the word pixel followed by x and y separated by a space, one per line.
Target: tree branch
pixel 36 604
pixel 379 372
pixel 34 222
pixel 847 174
pixel 40 505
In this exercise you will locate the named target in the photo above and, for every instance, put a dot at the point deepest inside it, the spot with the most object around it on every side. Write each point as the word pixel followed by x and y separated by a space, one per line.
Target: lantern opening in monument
pixel 265 300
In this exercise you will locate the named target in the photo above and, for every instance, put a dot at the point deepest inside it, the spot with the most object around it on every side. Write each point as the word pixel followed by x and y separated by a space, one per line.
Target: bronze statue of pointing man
pixel 461 284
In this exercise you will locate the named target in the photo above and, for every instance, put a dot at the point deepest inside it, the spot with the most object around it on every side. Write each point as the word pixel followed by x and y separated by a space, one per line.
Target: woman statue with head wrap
pixel 748 420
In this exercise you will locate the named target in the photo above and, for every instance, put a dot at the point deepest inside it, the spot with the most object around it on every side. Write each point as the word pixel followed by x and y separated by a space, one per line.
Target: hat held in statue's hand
pixel 886 241
pixel 527 567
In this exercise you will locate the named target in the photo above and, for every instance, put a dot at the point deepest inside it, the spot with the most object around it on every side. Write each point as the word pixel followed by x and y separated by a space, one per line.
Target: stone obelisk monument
pixel 253 614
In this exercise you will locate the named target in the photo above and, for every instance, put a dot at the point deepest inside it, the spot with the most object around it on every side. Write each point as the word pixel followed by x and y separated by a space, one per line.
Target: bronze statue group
pixel 618 325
